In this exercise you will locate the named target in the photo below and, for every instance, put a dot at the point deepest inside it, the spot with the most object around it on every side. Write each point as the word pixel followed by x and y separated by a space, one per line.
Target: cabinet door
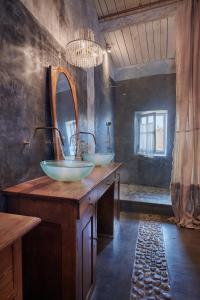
pixel 42 263
pixel 88 257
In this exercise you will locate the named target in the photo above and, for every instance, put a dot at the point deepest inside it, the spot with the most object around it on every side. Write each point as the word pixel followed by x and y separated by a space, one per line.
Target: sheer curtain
pixel 185 187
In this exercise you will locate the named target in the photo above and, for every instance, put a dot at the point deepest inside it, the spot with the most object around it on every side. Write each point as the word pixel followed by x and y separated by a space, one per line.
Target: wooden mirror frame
pixel 54 73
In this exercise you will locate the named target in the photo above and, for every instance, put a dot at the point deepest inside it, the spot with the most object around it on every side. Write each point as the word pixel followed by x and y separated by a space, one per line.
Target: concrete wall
pixel 104 99
pixel 148 93
pixel 28 46
pixel 63 17
pixel 167 66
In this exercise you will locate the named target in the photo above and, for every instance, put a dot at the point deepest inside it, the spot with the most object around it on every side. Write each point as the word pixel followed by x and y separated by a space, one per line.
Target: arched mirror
pixel 64 110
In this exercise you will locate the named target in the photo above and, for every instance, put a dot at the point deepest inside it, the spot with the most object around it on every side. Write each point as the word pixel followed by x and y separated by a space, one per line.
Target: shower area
pixel 144 111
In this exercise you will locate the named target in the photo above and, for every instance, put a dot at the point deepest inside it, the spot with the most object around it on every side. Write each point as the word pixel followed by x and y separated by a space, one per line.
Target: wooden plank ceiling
pixel 139 43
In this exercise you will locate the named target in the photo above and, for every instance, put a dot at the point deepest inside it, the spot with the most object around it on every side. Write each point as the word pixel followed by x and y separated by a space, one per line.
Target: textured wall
pixel 63 17
pixel 104 99
pixel 32 33
pixel 149 93
pixel 27 49
pixel 151 68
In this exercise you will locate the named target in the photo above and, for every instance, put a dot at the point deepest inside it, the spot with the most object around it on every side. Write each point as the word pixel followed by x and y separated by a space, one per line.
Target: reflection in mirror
pixel 65 112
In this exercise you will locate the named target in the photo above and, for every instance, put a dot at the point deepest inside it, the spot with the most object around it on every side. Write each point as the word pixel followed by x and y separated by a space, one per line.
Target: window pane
pixel 160 139
pixel 143 126
pixel 151 126
pixel 146 142
pixel 143 120
pixel 150 143
pixel 150 120
pixel 142 142
pixel 71 129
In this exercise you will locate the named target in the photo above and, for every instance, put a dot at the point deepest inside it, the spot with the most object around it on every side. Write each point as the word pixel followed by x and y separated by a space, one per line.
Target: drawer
pixel 6 273
pixel 88 200
pixel 96 194
pixel 105 184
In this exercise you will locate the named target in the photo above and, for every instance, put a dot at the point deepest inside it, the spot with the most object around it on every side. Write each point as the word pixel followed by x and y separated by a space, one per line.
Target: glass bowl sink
pixel 99 159
pixel 67 170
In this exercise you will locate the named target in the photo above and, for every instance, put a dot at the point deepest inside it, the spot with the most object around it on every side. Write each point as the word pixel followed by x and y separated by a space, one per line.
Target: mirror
pixel 64 110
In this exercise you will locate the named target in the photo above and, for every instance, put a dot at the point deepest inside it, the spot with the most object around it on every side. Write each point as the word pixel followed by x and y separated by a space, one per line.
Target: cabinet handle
pixel 94 238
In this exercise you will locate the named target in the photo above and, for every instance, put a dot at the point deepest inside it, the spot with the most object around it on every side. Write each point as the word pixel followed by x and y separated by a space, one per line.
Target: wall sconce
pixel 108 48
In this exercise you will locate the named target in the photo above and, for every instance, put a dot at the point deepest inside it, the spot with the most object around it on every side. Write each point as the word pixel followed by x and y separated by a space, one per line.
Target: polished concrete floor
pixel 115 261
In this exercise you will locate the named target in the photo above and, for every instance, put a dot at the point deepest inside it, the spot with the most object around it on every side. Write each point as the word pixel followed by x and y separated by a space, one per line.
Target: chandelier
pixel 83 51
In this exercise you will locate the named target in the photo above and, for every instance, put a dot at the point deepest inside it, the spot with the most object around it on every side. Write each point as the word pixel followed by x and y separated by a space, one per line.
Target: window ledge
pixel 153 156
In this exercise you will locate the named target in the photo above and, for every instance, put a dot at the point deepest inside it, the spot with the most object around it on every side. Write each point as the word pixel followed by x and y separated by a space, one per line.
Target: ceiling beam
pixel 144 13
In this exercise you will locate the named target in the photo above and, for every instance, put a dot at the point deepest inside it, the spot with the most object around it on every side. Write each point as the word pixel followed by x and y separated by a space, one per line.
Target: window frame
pixel 137 118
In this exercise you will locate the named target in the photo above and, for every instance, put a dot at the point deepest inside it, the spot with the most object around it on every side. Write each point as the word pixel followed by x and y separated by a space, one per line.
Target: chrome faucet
pixel 50 128
pixel 78 155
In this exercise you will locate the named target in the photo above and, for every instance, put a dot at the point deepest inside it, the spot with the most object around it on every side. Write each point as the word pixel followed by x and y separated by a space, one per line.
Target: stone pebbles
pixel 150 280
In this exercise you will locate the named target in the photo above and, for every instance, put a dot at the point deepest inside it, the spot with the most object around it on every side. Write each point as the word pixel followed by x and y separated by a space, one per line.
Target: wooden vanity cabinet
pixel 12 228
pixel 87 251
pixel 59 256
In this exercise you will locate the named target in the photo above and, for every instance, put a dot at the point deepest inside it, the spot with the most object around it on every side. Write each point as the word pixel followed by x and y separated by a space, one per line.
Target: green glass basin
pixel 67 170
pixel 99 159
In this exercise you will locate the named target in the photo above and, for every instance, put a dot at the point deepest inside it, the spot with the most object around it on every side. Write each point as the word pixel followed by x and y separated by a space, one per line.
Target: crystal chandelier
pixel 84 52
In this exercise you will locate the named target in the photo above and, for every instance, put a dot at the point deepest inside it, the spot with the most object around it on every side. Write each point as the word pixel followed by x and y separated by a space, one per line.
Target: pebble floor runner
pixel 150 279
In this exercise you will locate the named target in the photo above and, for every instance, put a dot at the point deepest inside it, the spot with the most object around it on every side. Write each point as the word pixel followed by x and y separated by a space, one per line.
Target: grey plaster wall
pixel 148 93
pixel 104 100
pixel 27 49
pixel 63 17
pixel 31 37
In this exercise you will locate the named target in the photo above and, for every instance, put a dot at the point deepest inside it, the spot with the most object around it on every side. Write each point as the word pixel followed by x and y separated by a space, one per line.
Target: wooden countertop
pixel 13 227
pixel 46 187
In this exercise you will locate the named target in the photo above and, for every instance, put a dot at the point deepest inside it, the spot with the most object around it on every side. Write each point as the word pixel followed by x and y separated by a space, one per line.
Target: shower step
pixel 143 207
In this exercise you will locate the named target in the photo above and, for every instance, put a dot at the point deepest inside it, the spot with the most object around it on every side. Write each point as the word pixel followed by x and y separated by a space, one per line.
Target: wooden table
pixel 12 228
pixel 60 254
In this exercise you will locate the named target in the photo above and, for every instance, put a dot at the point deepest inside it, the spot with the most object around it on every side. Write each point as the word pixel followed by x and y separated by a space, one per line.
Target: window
pixel 151 133
pixel 70 130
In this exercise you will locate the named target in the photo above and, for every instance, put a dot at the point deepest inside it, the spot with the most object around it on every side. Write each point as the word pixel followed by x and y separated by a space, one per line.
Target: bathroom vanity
pixel 59 256
pixel 12 228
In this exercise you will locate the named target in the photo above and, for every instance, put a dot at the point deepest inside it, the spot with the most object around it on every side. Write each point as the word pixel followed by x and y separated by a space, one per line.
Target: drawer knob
pixel 94 238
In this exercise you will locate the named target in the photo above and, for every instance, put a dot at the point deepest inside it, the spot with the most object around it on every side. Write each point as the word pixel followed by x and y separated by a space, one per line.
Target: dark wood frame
pixel 54 73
